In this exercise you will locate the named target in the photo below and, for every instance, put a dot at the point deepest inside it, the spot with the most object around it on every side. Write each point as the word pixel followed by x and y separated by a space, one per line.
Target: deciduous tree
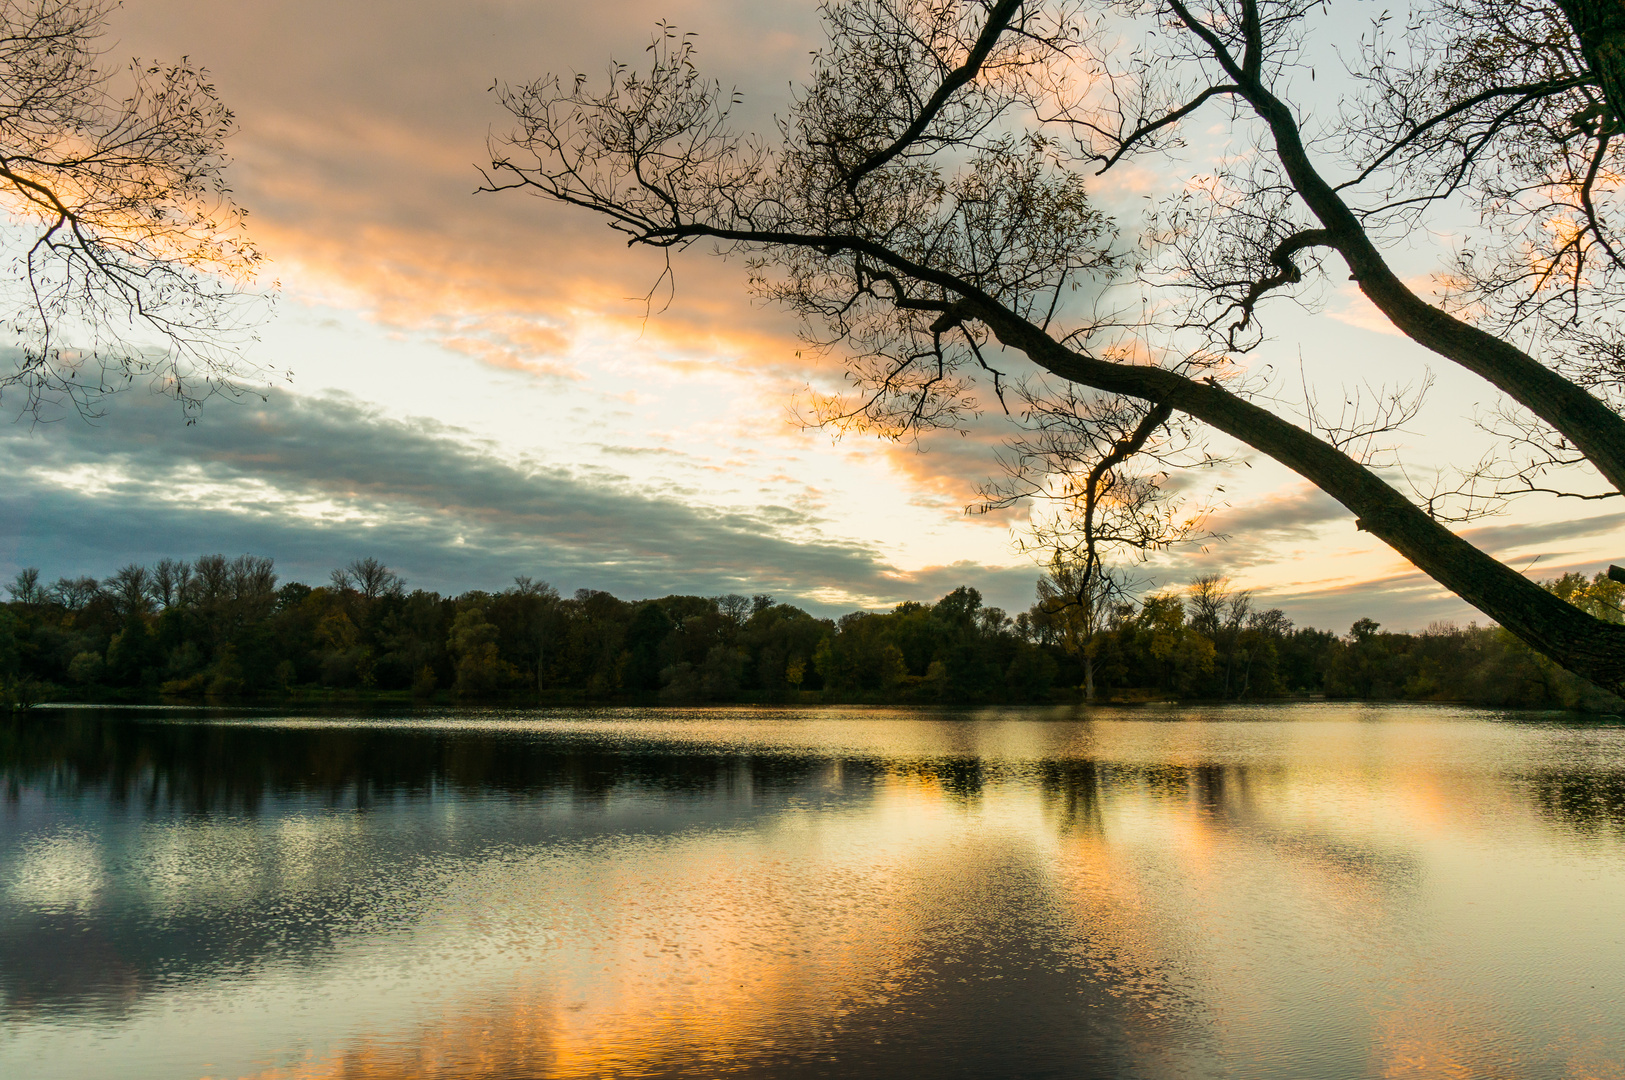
pixel 127 257
pixel 924 202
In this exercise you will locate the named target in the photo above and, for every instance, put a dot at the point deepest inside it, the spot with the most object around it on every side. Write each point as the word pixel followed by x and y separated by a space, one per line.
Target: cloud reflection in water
pixel 1320 891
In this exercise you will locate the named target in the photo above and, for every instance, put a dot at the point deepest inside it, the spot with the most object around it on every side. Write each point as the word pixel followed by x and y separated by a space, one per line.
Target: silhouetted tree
pixel 75 593
pixel 124 235
pixel 238 634
pixel 169 580
pixel 369 577
pixel 130 586
pixel 25 587
pixel 924 199
pixel 1219 611
pixel 1074 601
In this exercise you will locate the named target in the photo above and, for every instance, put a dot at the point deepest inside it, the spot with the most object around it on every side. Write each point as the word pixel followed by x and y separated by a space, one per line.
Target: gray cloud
pixel 315 482
pixel 1502 538
pixel 1407 601
pixel 1402 602
pixel 1293 516
pixel 1258 532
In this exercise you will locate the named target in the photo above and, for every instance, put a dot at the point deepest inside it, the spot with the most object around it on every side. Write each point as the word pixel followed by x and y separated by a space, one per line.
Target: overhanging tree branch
pixel 1590 424
pixel 998 21
pixel 128 257
pixel 976 222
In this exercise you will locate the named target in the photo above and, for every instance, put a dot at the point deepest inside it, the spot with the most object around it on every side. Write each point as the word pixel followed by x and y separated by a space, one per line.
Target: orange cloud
pixel 358 156
pixel 949 468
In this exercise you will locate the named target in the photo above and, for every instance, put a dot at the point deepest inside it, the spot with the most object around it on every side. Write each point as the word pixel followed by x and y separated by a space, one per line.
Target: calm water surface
pixel 1297 892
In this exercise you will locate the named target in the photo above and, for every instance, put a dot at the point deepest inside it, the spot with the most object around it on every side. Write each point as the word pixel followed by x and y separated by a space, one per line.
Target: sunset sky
pixel 473 392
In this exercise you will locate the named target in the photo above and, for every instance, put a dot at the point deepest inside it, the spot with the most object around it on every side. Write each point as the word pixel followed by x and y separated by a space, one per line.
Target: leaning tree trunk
pixel 1585 645
pixel 1600 26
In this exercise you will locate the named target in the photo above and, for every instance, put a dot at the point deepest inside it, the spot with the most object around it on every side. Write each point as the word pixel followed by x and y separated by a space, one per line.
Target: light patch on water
pixel 61 870
pixel 1280 894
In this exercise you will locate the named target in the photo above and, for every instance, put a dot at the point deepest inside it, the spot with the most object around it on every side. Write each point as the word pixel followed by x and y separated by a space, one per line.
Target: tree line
pixel 219 629
pixel 923 205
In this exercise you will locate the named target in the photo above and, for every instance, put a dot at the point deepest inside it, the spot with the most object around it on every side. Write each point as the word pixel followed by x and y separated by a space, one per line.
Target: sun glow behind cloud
pixel 523 326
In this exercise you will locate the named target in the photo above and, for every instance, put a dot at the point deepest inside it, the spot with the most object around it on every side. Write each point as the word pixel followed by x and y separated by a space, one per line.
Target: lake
pixel 1298 891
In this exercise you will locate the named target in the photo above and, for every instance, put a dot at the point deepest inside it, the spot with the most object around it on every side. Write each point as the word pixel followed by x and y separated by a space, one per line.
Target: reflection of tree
pixel 246 780
pixel 1072 793
pixel 927 946
pixel 202 768
pixel 1587 802
pixel 961 779
pixel 1076 791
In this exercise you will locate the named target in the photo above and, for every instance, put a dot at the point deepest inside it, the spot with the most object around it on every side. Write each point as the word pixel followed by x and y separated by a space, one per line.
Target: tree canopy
pixel 218 628
pixel 924 204
pixel 128 257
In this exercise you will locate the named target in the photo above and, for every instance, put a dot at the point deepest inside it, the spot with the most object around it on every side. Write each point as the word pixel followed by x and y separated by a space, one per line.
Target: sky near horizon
pixel 472 390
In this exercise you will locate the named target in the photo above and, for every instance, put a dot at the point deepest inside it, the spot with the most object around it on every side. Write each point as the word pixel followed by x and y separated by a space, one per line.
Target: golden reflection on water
pixel 1338 896
pixel 713 954
pixel 1124 927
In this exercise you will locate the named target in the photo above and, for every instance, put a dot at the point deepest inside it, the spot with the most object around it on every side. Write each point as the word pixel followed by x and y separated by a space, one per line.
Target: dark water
pixel 1296 892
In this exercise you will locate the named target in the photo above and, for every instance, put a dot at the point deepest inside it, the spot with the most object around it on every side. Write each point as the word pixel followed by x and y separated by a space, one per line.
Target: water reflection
pixel 1307 892
pixel 1588 802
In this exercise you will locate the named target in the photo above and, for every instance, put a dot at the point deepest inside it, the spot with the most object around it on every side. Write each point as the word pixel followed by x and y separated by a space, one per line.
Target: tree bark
pixel 1600 26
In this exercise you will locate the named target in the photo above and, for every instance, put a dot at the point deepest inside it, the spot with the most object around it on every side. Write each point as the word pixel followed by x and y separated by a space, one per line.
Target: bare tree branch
pixel 972 232
pixel 128 257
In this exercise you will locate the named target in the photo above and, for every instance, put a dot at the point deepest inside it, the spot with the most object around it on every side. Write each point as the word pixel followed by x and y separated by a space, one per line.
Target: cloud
pixel 1012 588
pixel 1274 532
pixel 948 469
pixel 1294 514
pixel 1499 539
pixel 1407 601
pixel 1352 308
pixel 362 129
pixel 315 482
pixel 1262 531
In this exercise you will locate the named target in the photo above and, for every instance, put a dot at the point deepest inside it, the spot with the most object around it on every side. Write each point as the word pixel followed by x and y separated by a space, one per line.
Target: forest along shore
pixel 223 629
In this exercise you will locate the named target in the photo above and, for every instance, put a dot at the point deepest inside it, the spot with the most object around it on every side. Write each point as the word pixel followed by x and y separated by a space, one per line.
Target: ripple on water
pixel 1300 891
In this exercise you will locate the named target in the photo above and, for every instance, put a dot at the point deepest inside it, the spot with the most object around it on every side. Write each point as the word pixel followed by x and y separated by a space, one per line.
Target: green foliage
pixel 1600 597
pixel 131 652
pixel 17 691
pixel 226 678
pixel 227 632
pixel 473 642
pixel 10 651
pixel 86 667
